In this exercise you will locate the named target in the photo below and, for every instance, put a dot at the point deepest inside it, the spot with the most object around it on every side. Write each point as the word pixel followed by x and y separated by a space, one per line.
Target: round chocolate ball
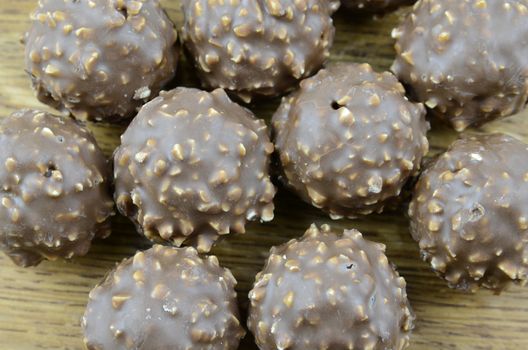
pixel 193 165
pixel 164 298
pixel 374 6
pixel 261 47
pixel 98 59
pixel 54 194
pixel 469 213
pixel 348 140
pixel 466 60
pixel 329 291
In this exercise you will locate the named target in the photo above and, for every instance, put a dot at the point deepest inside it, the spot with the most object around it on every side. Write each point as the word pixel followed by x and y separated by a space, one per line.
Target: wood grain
pixel 40 307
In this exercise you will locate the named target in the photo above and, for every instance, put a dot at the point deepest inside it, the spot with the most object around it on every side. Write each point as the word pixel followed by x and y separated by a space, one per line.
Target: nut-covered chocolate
pixel 257 47
pixel 164 298
pixel 329 291
pixel 467 60
pixel 99 59
pixel 348 139
pixel 194 165
pixel 54 188
pixel 374 6
pixel 469 213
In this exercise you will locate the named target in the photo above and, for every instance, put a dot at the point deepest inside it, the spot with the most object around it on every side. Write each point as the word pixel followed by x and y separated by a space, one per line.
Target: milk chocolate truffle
pixel 164 298
pixel 99 59
pixel 469 213
pixel 348 139
pixel 467 60
pixel 54 195
pixel 257 47
pixel 194 165
pixel 329 291
pixel 374 6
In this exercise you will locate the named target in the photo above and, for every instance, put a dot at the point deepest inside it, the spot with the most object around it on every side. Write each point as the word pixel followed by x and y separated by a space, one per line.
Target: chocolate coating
pixel 469 213
pixel 100 59
pixel 348 139
pixel 194 165
pixel 54 195
pixel 257 47
pixel 329 291
pixel 164 298
pixel 374 6
pixel 466 60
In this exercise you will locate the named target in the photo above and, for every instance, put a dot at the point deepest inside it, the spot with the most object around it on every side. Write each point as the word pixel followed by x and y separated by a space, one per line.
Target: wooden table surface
pixel 40 307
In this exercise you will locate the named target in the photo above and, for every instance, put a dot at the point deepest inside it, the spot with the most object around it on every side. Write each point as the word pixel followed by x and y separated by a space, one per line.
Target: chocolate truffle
pixel 54 195
pixel 466 60
pixel 164 298
pixel 99 59
pixel 374 6
pixel 327 291
pixel 348 139
pixel 261 47
pixel 194 165
pixel 469 213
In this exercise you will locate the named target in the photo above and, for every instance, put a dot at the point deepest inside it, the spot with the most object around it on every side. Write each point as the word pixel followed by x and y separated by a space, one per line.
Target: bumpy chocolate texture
pixel 469 213
pixel 327 291
pixel 164 298
pixel 194 165
pixel 257 47
pixel 348 139
pixel 374 5
pixel 100 59
pixel 467 60
pixel 54 194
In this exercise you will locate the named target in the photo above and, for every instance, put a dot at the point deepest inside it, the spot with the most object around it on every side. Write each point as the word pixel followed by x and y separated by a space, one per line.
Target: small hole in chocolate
pixel 123 11
pixel 335 105
pixel 51 168
pixel 477 212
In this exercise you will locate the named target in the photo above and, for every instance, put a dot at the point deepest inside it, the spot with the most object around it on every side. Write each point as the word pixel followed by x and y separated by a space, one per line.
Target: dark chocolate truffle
pixel 164 298
pixel 259 47
pixel 469 213
pixel 374 6
pixel 54 194
pixel 100 59
pixel 348 139
pixel 194 165
pixel 327 291
pixel 467 60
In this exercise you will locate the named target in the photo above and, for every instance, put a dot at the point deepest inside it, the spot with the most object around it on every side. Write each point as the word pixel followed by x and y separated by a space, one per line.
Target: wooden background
pixel 40 307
